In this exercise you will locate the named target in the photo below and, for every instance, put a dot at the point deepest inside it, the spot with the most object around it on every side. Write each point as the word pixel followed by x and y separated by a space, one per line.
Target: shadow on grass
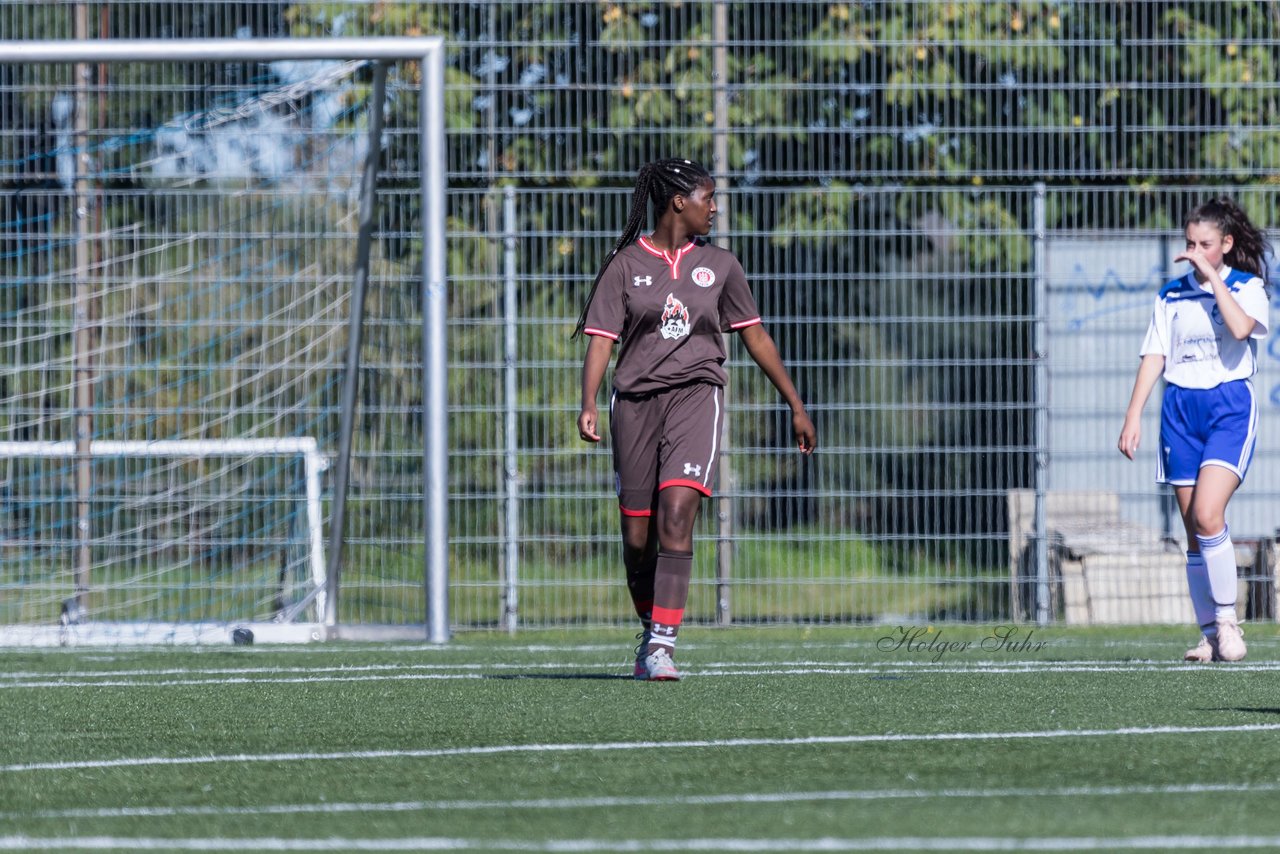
pixel 1263 710
pixel 558 676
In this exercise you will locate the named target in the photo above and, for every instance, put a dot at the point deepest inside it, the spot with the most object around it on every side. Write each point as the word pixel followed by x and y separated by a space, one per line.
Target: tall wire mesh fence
pixel 954 216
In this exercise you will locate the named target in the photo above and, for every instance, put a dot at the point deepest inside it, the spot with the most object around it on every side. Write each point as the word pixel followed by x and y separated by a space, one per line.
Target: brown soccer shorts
pixel 665 438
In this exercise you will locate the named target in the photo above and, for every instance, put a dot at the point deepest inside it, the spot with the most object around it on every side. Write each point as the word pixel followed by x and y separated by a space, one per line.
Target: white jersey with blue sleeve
pixel 1187 329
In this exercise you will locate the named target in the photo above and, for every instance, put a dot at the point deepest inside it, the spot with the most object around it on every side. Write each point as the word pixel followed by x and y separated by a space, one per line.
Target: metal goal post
pixel 429 51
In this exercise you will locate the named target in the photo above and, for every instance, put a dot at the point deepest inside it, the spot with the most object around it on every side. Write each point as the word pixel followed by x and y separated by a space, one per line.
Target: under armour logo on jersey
pixel 637 281
pixel 690 468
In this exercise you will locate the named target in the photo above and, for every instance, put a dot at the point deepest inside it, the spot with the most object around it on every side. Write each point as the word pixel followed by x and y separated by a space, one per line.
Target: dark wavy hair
pixel 1250 246
pixel 658 182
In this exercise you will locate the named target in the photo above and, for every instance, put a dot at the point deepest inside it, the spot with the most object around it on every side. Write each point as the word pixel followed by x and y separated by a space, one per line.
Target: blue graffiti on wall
pixel 1273 350
pixel 1097 288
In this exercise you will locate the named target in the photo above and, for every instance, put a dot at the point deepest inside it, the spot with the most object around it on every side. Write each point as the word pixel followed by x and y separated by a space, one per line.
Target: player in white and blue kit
pixel 1203 340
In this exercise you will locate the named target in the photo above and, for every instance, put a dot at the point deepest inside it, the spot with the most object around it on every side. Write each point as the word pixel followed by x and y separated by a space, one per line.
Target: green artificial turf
pixel 895 738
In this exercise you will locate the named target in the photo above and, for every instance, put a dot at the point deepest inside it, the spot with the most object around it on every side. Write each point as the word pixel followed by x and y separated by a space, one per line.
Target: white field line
pixel 545 665
pixel 436 843
pixel 729 743
pixel 399 666
pixel 738 799
pixel 453 647
pixel 947 664
pixel 390 673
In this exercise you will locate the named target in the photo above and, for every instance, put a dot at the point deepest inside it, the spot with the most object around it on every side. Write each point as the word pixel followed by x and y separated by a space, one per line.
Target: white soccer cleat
pixel 660 668
pixel 1230 640
pixel 1202 652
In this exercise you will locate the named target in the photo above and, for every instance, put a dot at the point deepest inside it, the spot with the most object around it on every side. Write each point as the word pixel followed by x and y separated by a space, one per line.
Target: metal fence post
pixel 511 471
pixel 1044 605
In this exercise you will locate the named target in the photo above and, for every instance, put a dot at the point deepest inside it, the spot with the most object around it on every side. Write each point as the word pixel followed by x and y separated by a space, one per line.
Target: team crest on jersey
pixel 703 277
pixel 675 319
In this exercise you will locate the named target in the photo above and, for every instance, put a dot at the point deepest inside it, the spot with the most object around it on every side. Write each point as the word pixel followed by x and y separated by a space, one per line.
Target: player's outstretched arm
pixel 765 354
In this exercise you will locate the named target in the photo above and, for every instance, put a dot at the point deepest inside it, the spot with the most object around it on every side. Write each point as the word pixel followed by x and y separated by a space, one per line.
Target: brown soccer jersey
pixel 669 311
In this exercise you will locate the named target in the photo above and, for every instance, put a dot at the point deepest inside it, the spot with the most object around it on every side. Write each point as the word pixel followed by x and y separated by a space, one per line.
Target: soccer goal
pixel 190 233
pixel 216 531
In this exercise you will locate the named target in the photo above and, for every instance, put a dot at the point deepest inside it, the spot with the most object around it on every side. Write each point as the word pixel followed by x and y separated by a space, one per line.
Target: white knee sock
pixel 1220 563
pixel 1201 597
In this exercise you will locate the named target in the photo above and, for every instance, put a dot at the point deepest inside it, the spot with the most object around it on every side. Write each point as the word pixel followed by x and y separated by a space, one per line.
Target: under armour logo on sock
pixel 690 468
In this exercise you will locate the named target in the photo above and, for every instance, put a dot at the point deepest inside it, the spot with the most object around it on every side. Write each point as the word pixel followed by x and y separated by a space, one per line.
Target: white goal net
pixel 186 538
pixel 185 239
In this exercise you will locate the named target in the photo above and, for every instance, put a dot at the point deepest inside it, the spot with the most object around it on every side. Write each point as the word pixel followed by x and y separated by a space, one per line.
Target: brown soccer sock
pixel 670 594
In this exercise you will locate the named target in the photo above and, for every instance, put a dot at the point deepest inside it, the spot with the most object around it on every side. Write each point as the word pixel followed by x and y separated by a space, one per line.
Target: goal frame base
pixel 130 634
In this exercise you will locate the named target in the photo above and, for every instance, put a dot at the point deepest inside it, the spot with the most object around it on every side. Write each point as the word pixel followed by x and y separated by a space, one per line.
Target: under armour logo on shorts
pixel 690 468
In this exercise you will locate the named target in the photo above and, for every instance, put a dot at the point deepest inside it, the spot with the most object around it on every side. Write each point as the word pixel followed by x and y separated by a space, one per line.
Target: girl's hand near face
pixel 1197 258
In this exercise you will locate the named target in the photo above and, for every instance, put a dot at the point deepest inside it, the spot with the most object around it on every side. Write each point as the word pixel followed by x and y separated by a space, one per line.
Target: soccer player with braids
pixel 1203 340
pixel 667 298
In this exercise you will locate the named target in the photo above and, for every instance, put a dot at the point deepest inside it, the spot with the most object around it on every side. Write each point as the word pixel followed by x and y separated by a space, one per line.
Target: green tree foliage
pixel 873 133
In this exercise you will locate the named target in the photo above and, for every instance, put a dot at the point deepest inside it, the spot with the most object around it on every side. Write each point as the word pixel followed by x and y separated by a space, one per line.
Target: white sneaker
pixel 1230 640
pixel 660 668
pixel 1202 652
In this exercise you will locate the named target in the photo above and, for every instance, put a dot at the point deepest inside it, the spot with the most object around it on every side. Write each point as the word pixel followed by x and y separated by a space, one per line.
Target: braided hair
pixel 1250 245
pixel 659 181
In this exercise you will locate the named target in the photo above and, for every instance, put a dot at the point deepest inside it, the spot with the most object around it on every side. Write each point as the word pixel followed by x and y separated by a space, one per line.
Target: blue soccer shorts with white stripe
pixel 1206 426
